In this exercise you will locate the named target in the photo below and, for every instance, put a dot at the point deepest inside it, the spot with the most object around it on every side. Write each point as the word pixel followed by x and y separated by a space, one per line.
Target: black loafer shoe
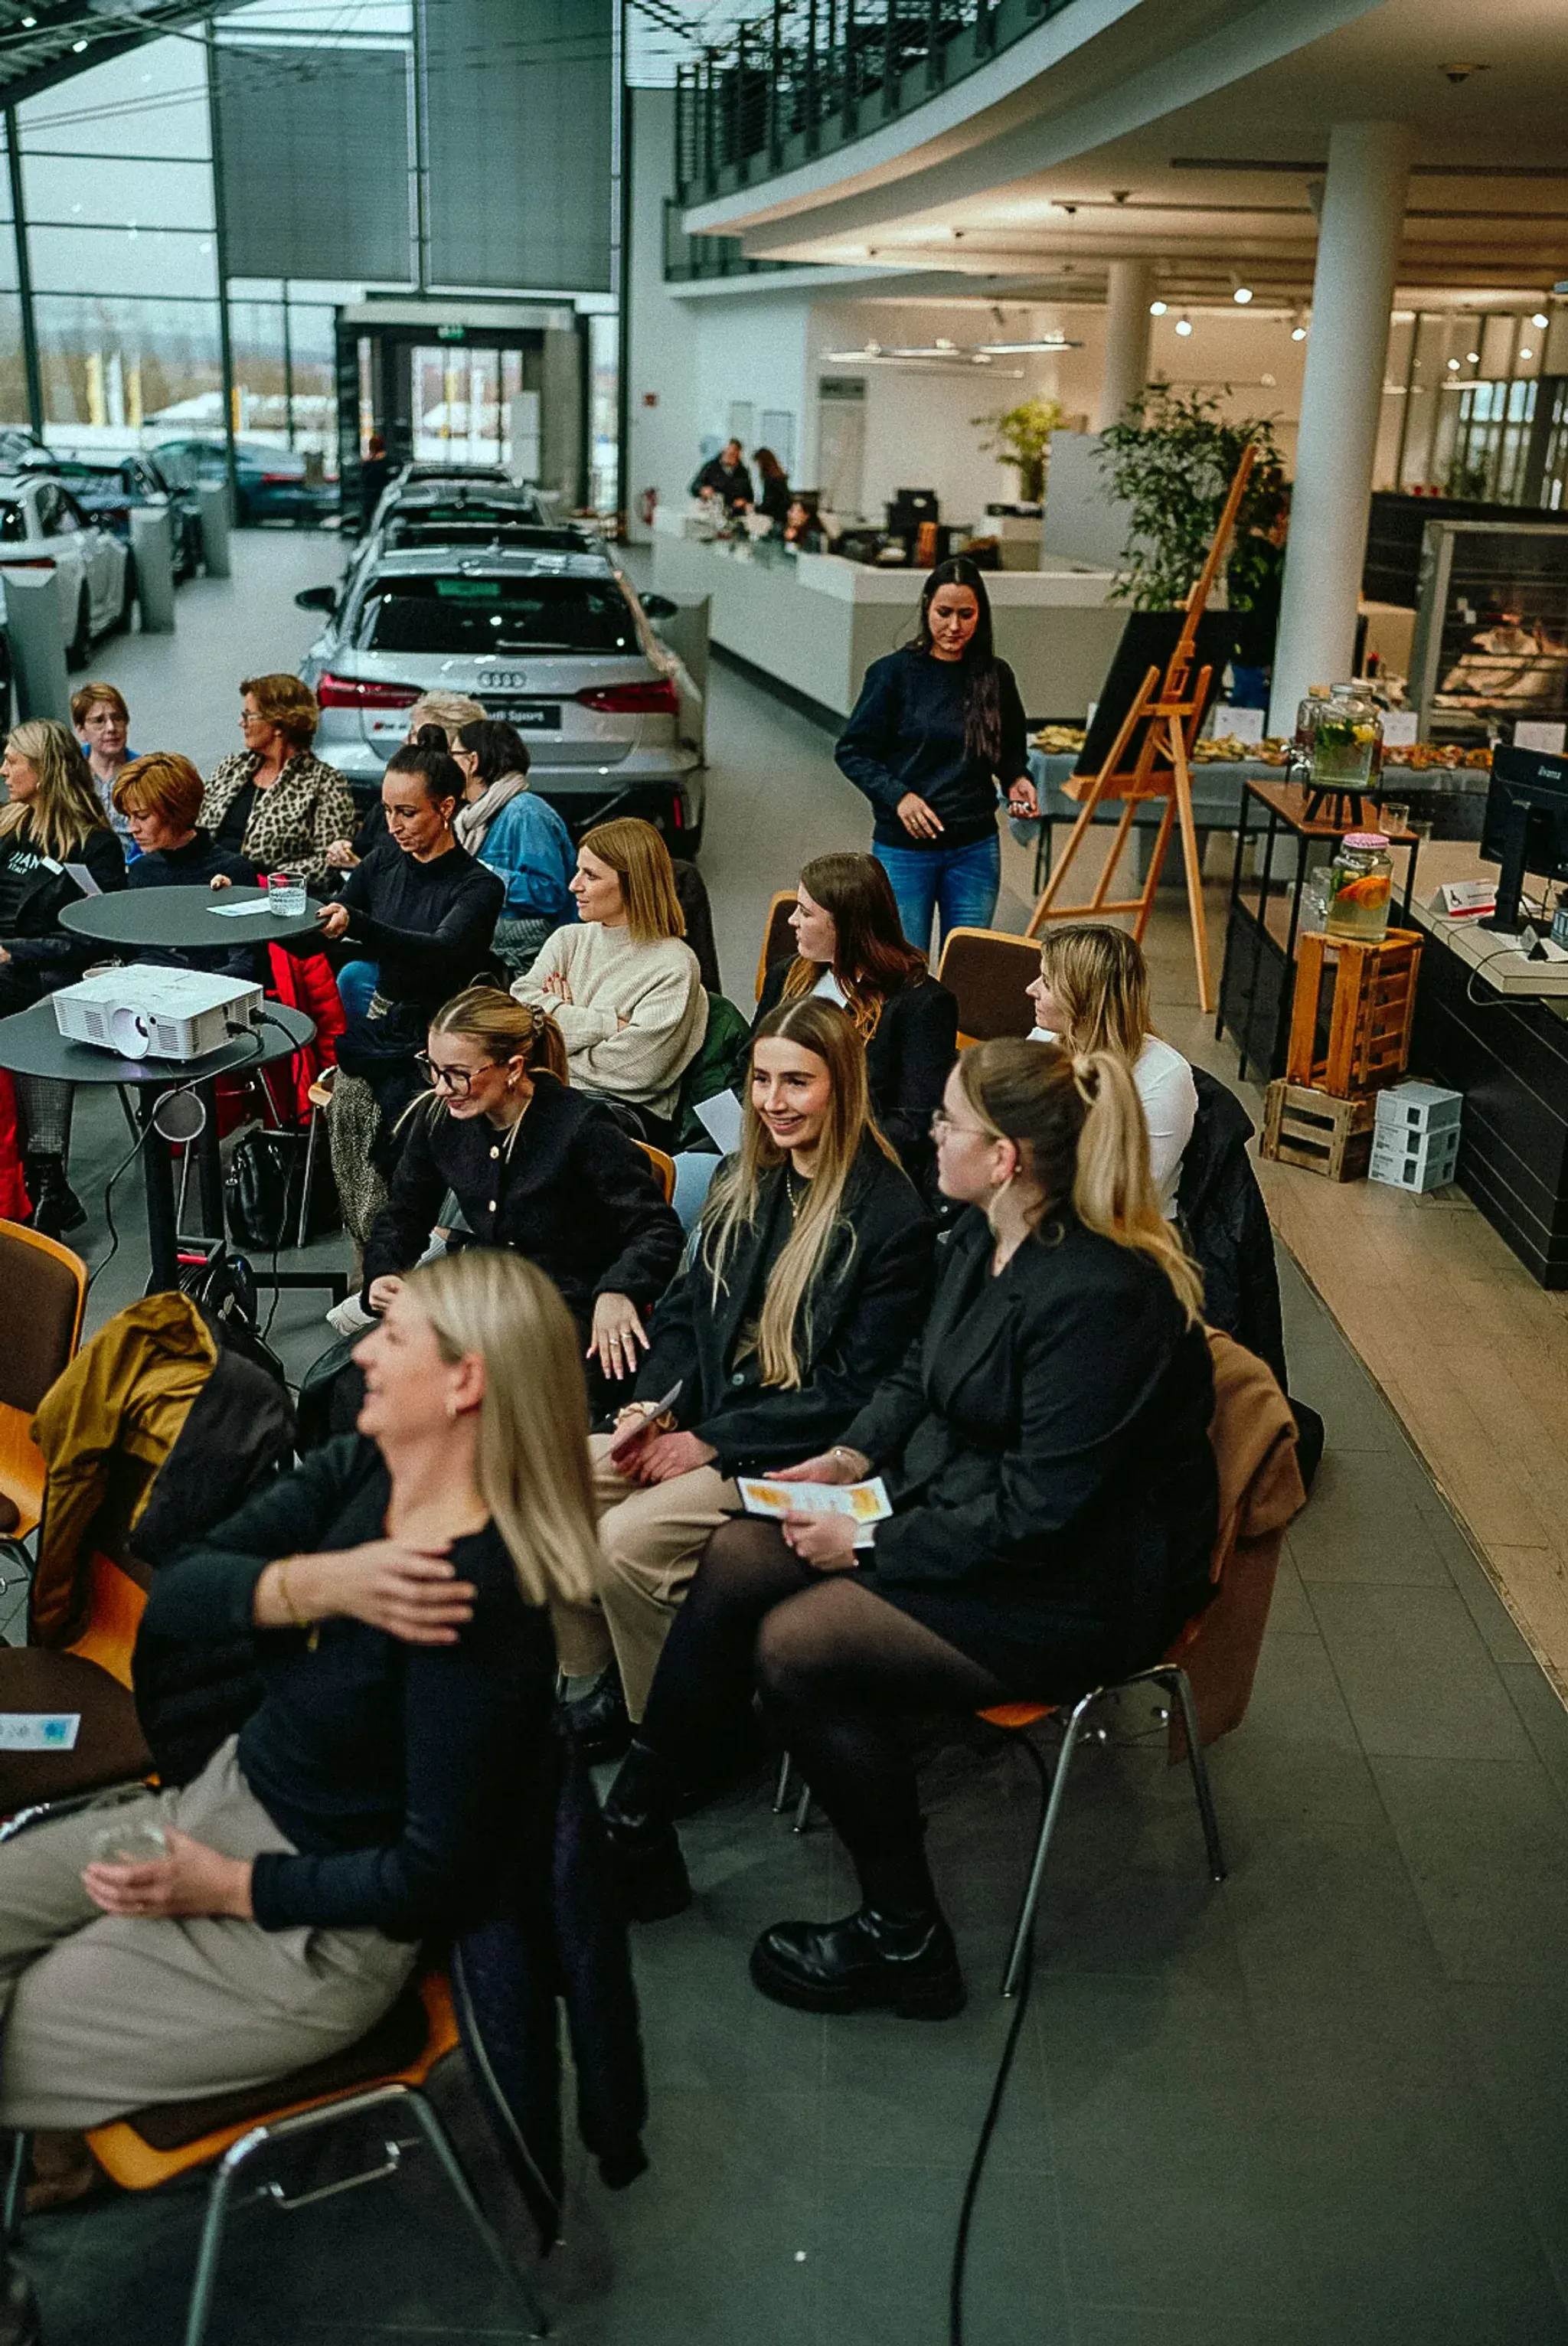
pixel 867 1962
pixel 651 1875
pixel 600 1726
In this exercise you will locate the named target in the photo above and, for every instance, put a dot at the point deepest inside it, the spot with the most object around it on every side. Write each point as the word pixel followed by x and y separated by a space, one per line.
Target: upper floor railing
pixel 817 75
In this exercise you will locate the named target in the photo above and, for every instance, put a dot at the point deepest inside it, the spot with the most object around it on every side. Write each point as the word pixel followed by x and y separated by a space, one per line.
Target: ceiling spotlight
pixel 1540 320
pixel 1527 354
pixel 1297 333
pixel 1157 309
pixel 1456 74
pixel 1243 294
pixel 29 22
pixel 1184 326
pixel 76 48
pixel 1472 358
pixel 1453 366
pixel 1120 194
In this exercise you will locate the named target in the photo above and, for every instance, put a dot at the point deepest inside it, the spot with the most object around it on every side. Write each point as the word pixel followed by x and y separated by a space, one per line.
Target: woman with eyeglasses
pixel 537 1168
pixel 809 1275
pixel 1046 1447
pixel 423 909
pixel 274 801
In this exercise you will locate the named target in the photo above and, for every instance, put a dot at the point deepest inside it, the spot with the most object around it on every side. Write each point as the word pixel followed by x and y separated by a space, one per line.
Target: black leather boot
pixel 907 1963
pixel 19 2321
pixel 600 1726
pixel 57 1209
pixel 639 1815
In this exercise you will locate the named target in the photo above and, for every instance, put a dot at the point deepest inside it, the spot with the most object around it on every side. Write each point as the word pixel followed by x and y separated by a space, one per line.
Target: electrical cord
pixel 137 1145
pixel 994 2107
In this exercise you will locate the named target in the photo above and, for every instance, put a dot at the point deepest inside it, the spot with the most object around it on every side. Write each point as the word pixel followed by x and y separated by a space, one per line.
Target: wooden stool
pixel 1314 1129
pixel 1374 1004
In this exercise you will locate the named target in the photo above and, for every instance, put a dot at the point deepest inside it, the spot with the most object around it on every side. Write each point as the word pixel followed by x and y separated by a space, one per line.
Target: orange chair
pixel 988 972
pixel 777 937
pixel 43 1292
pixel 663 1166
pixel 384 2078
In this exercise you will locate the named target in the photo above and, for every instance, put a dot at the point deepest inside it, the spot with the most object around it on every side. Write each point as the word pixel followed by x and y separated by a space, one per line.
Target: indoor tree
pixel 1020 436
pixel 1172 467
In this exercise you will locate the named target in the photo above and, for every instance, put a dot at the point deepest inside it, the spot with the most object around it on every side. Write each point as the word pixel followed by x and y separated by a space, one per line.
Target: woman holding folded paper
pixel 808 1275
pixel 1045 1445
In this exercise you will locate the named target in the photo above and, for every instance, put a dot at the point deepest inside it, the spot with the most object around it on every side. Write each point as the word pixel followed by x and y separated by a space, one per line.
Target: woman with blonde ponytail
pixel 807 1278
pixel 1045 1445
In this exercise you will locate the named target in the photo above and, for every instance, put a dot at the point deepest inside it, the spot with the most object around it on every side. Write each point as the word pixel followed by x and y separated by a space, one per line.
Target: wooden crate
pixel 1308 1127
pixel 1373 1005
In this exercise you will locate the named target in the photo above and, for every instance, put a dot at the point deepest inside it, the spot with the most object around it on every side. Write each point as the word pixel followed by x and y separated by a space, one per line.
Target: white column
pixel 1126 341
pixel 1359 238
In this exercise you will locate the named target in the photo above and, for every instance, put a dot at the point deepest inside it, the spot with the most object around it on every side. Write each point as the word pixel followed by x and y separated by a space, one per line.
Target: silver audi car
pixel 551 637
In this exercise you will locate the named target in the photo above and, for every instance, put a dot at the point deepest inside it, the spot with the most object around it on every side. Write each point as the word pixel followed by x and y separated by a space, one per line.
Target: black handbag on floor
pixel 262 1184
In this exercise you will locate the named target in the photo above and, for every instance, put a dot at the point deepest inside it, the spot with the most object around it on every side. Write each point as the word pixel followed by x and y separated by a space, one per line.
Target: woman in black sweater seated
pixel 161 798
pixel 537 1168
pixel 937 726
pixel 809 1275
pixel 425 911
pixel 1045 1445
pixel 849 947
pixel 267 1914
pixel 53 818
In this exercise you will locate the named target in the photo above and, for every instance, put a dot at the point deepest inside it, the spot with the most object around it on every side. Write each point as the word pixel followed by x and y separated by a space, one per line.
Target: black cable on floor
pixel 137 1145
pixel 994 2107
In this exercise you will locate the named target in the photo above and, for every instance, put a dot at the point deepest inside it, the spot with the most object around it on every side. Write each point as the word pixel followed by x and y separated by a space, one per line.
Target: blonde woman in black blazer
pixel 1046 1448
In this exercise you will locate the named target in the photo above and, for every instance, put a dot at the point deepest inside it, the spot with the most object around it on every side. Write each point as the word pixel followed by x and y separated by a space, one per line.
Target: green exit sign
pixel 450 334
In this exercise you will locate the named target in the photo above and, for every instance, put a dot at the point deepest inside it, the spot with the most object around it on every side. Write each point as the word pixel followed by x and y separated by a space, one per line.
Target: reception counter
pixel 815 622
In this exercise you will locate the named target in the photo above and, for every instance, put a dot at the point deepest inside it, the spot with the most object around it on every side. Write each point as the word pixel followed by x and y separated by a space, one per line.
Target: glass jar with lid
pixel 1360 882
pixel 1347 740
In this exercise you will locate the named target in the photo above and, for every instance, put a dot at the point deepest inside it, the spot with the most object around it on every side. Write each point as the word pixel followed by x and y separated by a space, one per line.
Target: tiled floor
pixel 1324 2104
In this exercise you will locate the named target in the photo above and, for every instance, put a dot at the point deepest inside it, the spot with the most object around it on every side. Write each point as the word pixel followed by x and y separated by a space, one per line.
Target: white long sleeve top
pixel 656 988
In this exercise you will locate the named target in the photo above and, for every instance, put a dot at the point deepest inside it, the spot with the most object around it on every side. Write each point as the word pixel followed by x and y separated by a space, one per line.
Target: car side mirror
pixel 317 598
pixel 659 607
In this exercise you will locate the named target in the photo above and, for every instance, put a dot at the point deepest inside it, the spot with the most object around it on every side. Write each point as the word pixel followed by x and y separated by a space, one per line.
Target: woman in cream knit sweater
pixel 621 986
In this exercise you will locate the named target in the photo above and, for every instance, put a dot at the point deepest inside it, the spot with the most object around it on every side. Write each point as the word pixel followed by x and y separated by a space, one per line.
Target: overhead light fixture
pixel 1472 358
pixel 1527 354
pixel 1540 321
pixel 1297 333
pixel 1453 366
pixel 1243 295
pixel 1184 326
pixel 1039 342
pixel 29 22
pixel 1157 309
pixel 76 48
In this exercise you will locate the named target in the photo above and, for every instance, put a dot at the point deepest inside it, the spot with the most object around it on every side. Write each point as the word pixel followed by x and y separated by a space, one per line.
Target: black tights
pixel 837 1667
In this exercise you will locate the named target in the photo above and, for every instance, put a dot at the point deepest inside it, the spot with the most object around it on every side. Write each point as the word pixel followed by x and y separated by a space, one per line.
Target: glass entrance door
pixel 462 407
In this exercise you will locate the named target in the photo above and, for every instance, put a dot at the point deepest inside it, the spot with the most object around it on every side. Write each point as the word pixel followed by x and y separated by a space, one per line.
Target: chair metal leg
pixel 1042 1849
pixel 781 1790
pixel 15 2178
pixel 1174 1676
pixel 219 2192
pixel 803 1810
pixel 441 2142
pixel 302 1233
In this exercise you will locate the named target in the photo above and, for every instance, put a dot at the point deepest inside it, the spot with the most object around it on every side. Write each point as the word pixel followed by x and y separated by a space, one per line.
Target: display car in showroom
pixel 553 638
pixel 108 487
pixel 473 512
pixel 270 484
pixel 41 527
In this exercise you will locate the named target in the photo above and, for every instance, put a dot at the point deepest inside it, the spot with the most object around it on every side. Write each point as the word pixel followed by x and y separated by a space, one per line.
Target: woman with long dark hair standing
pixel 939 725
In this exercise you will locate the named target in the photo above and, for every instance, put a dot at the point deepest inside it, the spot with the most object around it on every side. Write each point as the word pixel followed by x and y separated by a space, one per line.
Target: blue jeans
pixel 356 983
pixel 962 882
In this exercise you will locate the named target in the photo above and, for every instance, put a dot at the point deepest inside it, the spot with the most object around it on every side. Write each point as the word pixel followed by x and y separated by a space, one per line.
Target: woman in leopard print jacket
pixel 273 803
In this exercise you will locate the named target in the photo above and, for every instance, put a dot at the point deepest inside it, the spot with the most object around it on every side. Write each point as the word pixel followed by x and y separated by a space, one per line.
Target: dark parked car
pixel 106 487
pixel 272 484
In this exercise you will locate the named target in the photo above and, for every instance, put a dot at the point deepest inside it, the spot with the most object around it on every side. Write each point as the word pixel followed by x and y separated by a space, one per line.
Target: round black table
pixel 31 1044
pixel 186 918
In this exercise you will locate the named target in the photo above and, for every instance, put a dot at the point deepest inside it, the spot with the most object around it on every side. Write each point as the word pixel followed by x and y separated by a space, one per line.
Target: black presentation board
pixel 1148 641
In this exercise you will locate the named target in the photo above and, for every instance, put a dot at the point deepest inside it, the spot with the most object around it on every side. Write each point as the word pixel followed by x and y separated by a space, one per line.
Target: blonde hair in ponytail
pixel 531 1462
pixel 1077 1123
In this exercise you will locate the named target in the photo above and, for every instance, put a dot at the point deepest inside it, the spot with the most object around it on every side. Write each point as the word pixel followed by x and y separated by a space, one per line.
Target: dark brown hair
pixel 872 958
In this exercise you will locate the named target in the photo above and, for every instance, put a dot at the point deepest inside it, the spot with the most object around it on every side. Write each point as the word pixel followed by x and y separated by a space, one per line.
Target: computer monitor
pixel 1526 826
pixel 909 508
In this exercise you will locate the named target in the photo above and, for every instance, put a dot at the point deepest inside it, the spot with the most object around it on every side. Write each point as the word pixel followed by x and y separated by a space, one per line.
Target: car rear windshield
pixel 495 513
pixel 416 530
pixel 485 616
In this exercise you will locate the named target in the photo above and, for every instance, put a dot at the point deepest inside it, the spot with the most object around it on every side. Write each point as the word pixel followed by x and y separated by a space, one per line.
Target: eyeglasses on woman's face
pixel 943 1126
pixel 457 1080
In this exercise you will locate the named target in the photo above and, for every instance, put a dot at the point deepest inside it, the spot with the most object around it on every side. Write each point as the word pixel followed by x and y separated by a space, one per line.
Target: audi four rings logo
pixel 498 679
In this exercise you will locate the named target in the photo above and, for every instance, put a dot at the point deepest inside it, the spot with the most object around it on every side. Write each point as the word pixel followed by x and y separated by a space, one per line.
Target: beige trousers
pixel 650 1538
pixel 103 2014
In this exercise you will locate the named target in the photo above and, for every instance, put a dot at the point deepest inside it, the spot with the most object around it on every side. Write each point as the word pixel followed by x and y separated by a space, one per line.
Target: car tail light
pixel 658 699
pixel 354 692
pixel 278 479
pixel 25 561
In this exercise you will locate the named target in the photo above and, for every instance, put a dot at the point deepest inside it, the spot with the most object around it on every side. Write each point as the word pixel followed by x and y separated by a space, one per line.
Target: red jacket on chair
pixel 305 982
pixel 14 1204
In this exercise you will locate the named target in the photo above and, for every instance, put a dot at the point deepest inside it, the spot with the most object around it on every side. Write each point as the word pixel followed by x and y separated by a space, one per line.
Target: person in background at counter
pixel 939 723
pixel 101 723
pixel 804 528
pixel 725 476
pixel 775 500
pixel 376 471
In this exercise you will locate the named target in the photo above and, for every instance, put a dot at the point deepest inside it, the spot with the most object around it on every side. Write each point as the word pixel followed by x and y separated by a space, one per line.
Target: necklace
pixel 794 1195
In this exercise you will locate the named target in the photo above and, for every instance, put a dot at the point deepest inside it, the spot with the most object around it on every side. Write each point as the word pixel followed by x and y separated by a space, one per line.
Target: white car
pixel 41 527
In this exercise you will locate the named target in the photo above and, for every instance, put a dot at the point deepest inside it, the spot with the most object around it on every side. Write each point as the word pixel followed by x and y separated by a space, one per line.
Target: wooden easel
pixel 1165 717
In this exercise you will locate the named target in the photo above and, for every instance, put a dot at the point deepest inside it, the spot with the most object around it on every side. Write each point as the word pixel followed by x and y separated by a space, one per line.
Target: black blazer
pixel 908 1060
pixel 577 1197
pixel 1046 1442
pixel 43 953
pixel 860 1317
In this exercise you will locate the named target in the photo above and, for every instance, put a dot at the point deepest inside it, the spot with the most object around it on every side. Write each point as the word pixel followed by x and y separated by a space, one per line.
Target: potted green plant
pixel 1020 436
pixel 1173 468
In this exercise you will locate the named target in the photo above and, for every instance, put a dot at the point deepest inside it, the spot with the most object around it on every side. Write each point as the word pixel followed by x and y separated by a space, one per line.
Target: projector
pixel 148 1013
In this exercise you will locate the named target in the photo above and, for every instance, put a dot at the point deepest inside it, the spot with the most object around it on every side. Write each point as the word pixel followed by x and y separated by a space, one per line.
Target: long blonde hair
pixel 65 807
pixel 735 1199
pixel 1100 981
pixel 640 861
pixel 1077 1123
pixel 532 1460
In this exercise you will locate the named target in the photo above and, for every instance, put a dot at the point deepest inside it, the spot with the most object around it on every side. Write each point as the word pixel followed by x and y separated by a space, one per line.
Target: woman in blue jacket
pixel 519 836
pixel 937 726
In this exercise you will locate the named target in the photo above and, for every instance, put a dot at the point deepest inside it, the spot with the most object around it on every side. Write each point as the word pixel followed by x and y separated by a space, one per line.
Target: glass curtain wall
pixel 1484 399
